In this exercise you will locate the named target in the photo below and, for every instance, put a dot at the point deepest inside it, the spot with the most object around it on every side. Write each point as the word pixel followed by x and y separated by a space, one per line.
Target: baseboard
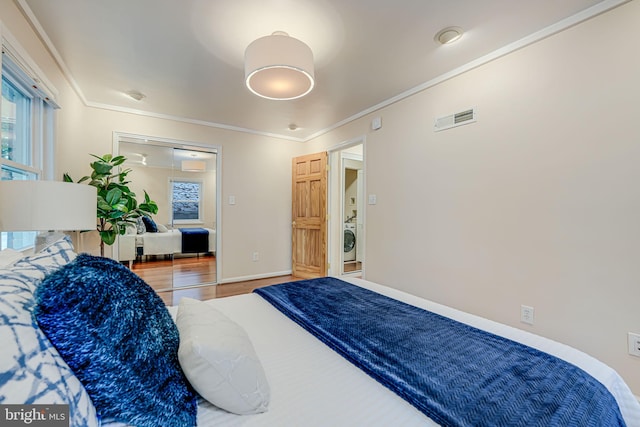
pixel 255 277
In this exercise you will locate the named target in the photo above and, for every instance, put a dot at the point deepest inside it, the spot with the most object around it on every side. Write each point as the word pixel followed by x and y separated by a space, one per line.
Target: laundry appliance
pixel 350 239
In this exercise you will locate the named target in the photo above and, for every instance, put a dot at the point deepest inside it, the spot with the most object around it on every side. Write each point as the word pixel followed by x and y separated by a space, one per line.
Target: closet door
pixel 145 247
pixel 183 182
pixel 192 189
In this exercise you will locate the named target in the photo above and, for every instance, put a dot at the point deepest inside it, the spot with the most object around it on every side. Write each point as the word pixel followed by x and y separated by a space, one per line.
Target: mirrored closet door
pixel 177 247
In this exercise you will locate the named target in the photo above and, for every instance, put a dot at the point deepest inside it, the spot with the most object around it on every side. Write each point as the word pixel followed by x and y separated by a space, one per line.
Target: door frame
pixel 335 236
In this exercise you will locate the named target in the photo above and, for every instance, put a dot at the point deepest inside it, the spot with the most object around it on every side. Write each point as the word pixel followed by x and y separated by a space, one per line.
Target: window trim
pixel 20 71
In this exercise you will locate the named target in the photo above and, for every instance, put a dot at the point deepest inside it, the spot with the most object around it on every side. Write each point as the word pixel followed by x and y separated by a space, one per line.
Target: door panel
pixel 309 206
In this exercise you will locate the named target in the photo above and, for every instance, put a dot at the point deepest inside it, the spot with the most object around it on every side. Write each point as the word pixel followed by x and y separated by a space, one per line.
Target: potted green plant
pixel 117 206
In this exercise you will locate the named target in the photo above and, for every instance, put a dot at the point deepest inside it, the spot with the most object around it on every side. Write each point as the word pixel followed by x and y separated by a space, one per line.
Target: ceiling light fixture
pixel 448 35
pixel 279 67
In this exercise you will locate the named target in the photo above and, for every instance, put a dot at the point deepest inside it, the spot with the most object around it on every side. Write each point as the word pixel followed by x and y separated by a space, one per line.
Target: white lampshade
pixel 279 67
pixel 47 205
pixel 193 166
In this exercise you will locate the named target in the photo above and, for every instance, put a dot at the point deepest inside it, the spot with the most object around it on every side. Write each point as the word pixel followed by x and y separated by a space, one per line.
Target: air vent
pixel 456 119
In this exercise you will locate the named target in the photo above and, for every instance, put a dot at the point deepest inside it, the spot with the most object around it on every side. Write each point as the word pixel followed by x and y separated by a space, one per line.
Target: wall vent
pixel 456 119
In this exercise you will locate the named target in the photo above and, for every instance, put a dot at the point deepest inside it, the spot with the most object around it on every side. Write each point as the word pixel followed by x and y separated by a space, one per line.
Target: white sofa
pixel 131 246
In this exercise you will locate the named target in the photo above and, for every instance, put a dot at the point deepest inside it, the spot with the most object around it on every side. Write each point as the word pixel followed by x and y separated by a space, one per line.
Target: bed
pixel 310 384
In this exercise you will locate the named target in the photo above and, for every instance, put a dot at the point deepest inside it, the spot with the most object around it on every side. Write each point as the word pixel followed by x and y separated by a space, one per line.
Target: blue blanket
pixel 194 240
pixel 455 374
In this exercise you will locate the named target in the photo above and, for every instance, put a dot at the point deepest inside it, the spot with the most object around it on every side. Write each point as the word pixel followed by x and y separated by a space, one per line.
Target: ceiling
pixel 186 56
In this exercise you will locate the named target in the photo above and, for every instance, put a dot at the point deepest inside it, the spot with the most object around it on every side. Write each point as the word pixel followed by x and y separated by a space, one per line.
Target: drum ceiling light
pixel 279 67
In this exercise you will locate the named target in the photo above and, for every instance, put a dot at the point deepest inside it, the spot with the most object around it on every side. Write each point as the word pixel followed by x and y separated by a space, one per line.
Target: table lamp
pixel 47 206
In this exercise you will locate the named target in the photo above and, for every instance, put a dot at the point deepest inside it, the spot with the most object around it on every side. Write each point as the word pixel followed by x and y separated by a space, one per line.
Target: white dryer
pixel 350 239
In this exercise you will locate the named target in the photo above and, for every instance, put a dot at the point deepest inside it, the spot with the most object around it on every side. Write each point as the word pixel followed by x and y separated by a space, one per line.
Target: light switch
pixel 232 200
pixel 373 199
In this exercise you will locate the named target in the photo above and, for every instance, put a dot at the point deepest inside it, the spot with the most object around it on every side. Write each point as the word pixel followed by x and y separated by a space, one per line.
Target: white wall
pixel 538 203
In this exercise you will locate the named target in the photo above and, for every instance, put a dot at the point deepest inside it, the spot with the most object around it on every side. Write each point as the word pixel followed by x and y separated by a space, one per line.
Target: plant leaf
pixel 116 204
pixel 118 160
pixel 108 236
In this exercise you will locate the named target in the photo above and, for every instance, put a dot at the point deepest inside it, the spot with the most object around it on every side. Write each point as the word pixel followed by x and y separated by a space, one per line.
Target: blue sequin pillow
pixel 149 224
pixel 115 333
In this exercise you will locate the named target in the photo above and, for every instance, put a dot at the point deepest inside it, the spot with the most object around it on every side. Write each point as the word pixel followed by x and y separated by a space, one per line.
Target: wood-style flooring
pixel 184 276
pixel 165 272
pixel 222 290
pixel 181 277
pixel 352 266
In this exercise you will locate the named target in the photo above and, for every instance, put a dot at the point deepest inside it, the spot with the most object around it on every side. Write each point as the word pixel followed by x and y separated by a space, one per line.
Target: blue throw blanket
pixel 194 240
pixel 455 374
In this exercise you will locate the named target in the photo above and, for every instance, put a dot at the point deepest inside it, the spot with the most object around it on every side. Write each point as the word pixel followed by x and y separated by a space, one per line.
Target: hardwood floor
pixel 167 276
pixel 352 266
pixel 220 291
pixel 164 272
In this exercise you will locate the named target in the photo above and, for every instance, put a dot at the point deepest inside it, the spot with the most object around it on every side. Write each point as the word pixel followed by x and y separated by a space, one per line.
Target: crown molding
pixel 548 31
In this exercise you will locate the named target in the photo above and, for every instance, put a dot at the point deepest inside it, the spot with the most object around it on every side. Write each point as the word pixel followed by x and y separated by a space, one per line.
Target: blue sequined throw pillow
pixel 149 224
pixel 118 337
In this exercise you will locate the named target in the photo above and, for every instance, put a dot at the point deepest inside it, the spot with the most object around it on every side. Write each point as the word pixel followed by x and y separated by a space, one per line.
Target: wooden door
pixel 309 215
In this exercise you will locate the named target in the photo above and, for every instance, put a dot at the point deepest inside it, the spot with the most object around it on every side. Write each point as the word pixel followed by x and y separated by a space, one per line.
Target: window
pixel 16 118
pixel 186 200
pixel 26 132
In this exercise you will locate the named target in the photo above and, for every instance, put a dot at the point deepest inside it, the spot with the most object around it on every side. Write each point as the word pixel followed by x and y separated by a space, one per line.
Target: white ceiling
pixel 186 56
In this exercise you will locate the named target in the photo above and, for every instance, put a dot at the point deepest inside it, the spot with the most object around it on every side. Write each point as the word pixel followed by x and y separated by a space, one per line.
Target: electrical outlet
pixel 255 256
pixel 634 344
pixel 526 314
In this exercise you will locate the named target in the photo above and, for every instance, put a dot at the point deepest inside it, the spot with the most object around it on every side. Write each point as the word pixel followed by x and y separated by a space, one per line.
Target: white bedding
pixel 168 243
pixel 311 385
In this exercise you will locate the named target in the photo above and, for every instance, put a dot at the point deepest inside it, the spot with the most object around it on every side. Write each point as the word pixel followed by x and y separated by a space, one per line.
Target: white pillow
pixel 219 360
pixel 131 230
pixel 161 228
pixel 9 256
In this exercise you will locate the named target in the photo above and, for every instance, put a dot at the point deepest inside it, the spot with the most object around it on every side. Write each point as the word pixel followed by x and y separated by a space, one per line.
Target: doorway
pixel 181 249
pixel 346 200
